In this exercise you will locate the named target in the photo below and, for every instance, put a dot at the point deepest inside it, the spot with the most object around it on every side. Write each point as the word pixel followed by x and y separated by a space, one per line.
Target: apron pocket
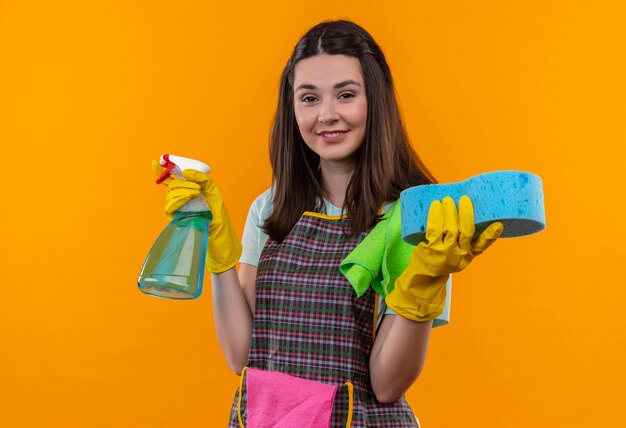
pixel 279 400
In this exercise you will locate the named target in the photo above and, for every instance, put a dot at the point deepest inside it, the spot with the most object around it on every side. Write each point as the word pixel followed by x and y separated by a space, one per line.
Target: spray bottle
pixel 174 267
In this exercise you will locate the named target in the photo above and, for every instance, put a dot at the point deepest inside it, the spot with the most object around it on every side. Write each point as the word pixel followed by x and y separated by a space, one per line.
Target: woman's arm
pixel 398 356
pixel 233 306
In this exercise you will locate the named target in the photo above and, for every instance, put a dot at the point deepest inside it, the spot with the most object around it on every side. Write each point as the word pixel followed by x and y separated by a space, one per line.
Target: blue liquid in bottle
pixel 174 267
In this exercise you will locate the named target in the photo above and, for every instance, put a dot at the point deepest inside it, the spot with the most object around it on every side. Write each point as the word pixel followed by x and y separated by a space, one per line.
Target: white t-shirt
pixel 254 238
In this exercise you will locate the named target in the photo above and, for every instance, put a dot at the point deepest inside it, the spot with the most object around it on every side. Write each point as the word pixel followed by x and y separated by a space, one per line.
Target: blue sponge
pixel 513 197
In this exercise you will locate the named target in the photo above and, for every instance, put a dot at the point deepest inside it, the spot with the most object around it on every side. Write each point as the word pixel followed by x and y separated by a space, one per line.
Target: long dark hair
pixel 386 162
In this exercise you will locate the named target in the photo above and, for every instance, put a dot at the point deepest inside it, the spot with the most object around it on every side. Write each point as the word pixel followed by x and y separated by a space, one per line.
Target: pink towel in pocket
pixel 278 400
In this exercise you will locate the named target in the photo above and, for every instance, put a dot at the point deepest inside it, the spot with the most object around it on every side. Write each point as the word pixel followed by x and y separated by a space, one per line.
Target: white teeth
pixel 331 134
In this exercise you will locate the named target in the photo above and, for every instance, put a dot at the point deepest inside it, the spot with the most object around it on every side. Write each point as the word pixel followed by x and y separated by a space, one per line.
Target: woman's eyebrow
pixel 346 83
pixel 335 86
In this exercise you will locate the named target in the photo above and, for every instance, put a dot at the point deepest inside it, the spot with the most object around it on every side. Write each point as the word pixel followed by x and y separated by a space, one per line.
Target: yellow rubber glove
pixel 224 245
pixel 419 292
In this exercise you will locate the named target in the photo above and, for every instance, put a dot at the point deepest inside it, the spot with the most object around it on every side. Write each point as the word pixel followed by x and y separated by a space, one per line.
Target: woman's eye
pixel 308 99
pixel 346 95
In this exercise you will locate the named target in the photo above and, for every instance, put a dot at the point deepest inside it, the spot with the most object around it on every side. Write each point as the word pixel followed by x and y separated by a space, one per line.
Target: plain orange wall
pixel 90 92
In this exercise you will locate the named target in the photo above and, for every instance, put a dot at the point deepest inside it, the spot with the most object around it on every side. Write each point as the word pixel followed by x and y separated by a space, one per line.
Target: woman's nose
pixel 328 113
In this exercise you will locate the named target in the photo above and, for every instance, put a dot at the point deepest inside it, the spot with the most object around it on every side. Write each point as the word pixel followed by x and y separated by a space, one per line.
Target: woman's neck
pixel 335 179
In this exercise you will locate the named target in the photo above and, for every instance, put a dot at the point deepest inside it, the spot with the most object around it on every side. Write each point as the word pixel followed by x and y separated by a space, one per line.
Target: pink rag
pixel 278 400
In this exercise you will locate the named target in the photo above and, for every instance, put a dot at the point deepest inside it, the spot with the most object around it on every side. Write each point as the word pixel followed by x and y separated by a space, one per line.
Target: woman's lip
pixel 331 132
pixel 334 139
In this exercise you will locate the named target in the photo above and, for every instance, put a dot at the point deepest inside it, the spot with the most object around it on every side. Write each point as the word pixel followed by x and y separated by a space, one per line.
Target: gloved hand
pixel 419 293
pixel 224 245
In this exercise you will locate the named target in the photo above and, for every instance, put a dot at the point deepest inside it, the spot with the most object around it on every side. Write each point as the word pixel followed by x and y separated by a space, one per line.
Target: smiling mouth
pixel 332 134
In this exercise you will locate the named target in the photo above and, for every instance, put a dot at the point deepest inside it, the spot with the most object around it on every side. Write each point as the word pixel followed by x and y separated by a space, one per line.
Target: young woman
pixel 308 347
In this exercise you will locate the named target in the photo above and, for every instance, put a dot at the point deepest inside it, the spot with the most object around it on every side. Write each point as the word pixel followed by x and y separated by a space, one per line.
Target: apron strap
pixel 350 404
pixel 239 400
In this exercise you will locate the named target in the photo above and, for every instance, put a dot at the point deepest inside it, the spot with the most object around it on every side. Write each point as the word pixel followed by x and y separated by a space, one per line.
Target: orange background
pixel 90 92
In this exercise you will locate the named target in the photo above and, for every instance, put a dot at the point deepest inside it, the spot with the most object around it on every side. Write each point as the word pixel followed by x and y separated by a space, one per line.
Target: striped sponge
pixel 513 197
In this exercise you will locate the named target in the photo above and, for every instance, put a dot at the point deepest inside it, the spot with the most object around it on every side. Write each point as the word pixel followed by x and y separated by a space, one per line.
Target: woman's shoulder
pixel 265 197
pixel 262 204
pixel 387 205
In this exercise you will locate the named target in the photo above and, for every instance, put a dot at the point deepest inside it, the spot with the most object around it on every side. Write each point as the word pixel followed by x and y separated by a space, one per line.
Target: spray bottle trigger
pixel 169 165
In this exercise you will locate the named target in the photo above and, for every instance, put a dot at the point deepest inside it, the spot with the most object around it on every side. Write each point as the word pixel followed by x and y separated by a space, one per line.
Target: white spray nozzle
pixel 182 163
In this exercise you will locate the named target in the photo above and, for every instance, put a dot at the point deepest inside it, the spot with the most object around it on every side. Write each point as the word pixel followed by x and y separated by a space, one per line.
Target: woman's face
pixel 330 106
